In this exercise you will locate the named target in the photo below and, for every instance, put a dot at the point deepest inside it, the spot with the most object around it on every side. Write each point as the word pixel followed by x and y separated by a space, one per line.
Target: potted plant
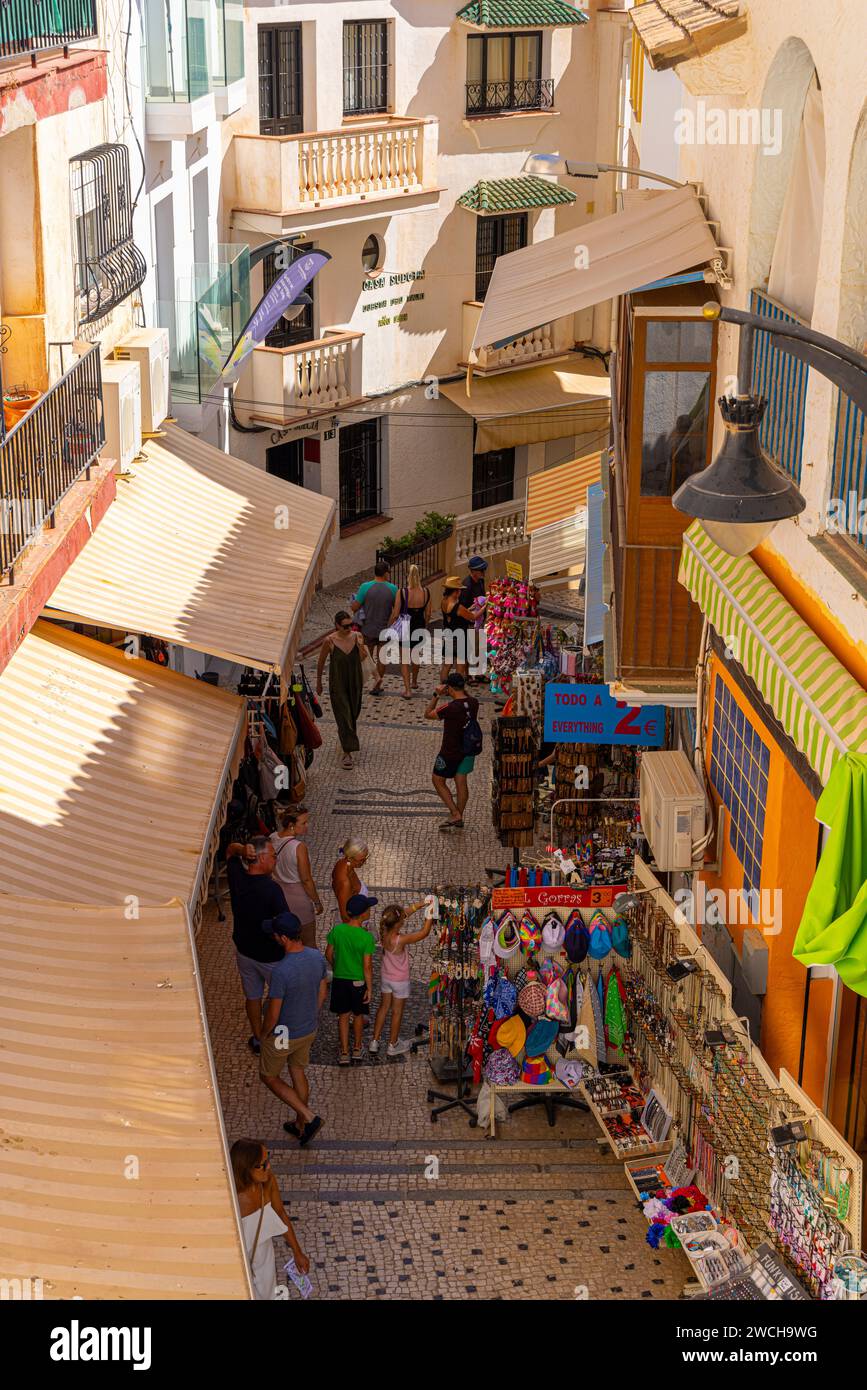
pixel 16 403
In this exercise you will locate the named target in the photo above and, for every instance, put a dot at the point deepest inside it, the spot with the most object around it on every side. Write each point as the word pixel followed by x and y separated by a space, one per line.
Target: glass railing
pixel 211 306
pixel 193 46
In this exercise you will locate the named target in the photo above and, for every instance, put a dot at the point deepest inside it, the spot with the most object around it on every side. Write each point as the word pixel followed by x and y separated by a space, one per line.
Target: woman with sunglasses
pixel 263 1215
pixel 346 651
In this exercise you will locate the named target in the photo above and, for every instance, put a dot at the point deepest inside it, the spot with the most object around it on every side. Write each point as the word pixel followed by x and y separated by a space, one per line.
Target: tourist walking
pixel 472 588
pixel 349 952
pixel 296 994
pixel 346 649
pixel 292 869
pixel 254 896
pixel 346 881
pixel 454 646
pixel 263 1215
pixel 394 978
pixel 452 762
pixel 376 597
pixel 412 609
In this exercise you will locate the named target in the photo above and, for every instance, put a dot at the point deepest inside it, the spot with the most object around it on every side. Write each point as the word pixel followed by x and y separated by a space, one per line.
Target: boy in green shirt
pixel 349 952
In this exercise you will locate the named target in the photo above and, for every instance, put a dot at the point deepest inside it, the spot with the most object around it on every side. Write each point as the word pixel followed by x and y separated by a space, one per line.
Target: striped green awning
pixel 513 195
pixel 515 14
pixel 820 705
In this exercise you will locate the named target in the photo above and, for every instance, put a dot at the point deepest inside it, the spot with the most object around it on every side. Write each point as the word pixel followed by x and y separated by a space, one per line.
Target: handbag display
pixel 310 696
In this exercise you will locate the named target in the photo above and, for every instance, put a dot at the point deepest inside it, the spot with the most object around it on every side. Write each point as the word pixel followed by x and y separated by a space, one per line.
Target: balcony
pixel 491 531
pixel 782 380
pixel 204 321
pixel 44 452
pixel 538 345
pixel 326 178
pixel 30 27
pixel 195 64
pixel 521 94
pixel 303 381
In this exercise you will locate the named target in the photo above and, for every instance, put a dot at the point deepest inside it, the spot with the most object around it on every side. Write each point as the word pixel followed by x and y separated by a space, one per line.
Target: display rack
pixel 513 787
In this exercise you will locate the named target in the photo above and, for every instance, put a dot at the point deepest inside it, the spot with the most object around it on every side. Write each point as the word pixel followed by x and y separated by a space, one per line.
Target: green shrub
pixel 432 526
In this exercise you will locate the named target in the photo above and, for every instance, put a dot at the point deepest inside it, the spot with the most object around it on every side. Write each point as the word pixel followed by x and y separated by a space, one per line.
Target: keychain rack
pixel 455 987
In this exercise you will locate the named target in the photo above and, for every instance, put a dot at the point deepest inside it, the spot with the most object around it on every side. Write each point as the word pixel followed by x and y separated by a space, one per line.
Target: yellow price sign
pixel 514 570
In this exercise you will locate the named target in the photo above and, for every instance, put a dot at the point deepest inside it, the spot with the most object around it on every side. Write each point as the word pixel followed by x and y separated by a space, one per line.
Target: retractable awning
pixel 204 550
pixel 595 606
pixel 820 705
pixel 536 404
pixel 575 270
pixel 555 493
pixel 115 774
pixel 557 551
pixel 108 1094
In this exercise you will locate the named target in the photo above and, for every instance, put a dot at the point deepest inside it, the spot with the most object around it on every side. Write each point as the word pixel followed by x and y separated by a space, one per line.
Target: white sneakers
pixel 393 1050
pixel 373 1046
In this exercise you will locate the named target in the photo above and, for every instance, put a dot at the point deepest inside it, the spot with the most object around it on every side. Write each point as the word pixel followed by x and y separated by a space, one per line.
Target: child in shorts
pixel 395 973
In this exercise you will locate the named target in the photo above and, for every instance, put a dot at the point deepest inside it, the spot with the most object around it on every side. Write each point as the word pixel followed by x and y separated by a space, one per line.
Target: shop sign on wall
pixel 588 713
pixel 389 282
pixel 601 896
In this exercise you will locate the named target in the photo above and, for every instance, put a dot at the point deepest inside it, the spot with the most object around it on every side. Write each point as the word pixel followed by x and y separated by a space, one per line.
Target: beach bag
pixel 273 774
pixel 310 735
pixel 472 736
pixel 310 696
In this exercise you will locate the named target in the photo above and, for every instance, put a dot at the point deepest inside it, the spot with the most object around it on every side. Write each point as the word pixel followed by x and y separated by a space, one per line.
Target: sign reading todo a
pixel 588 713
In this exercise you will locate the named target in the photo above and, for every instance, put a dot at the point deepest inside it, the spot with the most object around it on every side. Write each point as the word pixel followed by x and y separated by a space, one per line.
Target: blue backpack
pixel 472 737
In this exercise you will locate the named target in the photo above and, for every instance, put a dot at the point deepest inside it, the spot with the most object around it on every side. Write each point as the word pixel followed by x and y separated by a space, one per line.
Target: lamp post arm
pixel 779 328
pixel 576 170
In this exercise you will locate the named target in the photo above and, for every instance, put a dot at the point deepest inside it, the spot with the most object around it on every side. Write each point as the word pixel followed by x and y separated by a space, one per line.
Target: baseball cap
pixel 284 924
pixel 358 903
pixel 476 562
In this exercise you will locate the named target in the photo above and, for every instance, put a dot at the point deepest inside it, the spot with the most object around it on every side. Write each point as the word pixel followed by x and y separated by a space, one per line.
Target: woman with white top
pixel 292 869
pixel 263 1215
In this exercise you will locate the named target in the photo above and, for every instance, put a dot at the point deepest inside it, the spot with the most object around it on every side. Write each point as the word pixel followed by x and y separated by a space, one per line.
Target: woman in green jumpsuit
pixel 345 680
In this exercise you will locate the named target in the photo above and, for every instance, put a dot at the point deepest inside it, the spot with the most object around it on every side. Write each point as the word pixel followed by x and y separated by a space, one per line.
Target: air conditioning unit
pixel 149 347
pixel 672 807
pixel 121 394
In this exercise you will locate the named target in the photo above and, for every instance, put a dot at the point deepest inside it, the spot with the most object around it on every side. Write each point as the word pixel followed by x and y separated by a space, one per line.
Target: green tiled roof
pixel 513 195
pixel 516 14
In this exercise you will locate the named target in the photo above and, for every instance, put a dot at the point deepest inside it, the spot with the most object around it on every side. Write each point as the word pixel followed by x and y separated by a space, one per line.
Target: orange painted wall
pixel 789 850
pixel 829 628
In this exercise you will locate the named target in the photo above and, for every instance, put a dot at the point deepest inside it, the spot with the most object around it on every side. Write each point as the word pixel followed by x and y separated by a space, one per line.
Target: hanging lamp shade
pixel 740 497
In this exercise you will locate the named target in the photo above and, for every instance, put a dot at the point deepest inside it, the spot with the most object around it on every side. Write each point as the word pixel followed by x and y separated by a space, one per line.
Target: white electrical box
pixel 149 347
pixel 121 395
pixel 672 803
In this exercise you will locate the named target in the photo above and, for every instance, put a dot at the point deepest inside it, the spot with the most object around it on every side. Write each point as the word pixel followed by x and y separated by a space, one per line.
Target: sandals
pixel 451 825
pixel 347 760
pixel 343 1059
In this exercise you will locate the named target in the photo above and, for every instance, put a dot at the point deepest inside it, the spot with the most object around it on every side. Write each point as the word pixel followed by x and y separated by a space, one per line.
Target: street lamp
pixel 557 165
pixel 740 497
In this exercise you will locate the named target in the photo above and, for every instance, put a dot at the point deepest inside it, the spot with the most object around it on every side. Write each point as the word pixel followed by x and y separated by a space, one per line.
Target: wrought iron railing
pixel 782 380
pixel 429 555
pixel 48 450
pixel 34 26
pixel 522 94
pixel 849 466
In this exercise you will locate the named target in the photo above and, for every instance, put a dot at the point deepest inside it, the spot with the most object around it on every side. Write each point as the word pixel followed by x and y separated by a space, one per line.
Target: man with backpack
pixel 462 741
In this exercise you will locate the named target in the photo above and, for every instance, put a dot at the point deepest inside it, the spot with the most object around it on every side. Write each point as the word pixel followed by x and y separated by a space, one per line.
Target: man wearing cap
pixel 349 952
pixel 472 588
pixel 295 996
pixel 451 761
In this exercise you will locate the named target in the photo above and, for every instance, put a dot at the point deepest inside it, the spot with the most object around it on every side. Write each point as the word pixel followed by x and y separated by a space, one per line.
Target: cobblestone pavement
pixel 386 1204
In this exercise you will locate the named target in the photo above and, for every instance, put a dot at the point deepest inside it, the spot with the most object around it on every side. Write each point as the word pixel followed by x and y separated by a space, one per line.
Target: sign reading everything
pixel 586 713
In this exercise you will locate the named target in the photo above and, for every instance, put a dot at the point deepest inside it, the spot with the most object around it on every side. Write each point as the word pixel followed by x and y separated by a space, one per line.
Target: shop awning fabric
pixel 204 550
pixel 556 493
pixel 115 774
pixel 577 269
pixel 820 705
pixel 536 404
pixel 557 551
pixel 114 1177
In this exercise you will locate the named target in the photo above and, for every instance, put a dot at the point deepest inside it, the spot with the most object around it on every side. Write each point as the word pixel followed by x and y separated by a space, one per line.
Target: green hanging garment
pixel 615 1016
pixel 833 928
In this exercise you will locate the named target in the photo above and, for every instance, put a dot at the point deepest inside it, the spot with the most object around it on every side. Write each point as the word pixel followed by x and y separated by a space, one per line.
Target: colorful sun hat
pixel 502 1069
pixel 569 1072
pixel 512 1034
pixel 532 998
pixel 530 933
pixel 557 1001
pixel 553 933
pixel 599 929
pixel 540 1037
pixel 535 1072
pixel 507 941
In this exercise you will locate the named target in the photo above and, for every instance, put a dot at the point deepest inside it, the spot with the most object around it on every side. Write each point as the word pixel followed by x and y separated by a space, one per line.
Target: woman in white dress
pixel 263 1215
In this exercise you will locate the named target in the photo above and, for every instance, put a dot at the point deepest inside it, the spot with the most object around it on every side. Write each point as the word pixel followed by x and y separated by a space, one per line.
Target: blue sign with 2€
pixel 585 713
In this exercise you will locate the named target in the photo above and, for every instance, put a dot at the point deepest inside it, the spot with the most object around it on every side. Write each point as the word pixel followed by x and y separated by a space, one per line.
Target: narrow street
pixel 537 1210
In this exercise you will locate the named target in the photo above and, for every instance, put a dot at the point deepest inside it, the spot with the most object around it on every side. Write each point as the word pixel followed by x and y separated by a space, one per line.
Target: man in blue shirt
pixel 296 994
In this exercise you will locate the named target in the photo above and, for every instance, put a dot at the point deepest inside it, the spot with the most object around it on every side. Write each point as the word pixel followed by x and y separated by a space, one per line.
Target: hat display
pixel 530 933
pixel 620 937
pixel 569 1071
pixel 599 929
pixel 502 1069
pixel 507 941
pixel 553 934
pixel 540 1037
pixel 532 998
pixel 535 1072
pixel 511 1034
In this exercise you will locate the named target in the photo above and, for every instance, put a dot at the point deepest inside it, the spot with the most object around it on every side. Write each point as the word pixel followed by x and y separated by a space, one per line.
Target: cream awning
pixel 106 1064
pixel 536 404
pixel 204 550
pixel 592 263
pixel 556 493
pixel 115 773
pixel 559 550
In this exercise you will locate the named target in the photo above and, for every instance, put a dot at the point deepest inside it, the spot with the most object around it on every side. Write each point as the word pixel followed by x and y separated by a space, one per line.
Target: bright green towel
pixel 833 928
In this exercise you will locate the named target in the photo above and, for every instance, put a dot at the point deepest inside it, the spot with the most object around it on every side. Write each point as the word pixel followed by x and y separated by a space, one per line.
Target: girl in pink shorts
pixel 394 982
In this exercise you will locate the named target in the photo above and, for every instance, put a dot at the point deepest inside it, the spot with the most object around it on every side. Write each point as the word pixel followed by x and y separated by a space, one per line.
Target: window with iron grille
pixel 360 472
pixel 365 67
pixel 280 95
pixel 108 264
pixel 504 73
pixel 739 766
pixel 493 478
pixel 495 236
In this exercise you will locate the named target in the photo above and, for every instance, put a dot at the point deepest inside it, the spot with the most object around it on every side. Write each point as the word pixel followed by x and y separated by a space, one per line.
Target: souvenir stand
pixel 455 990
pixel 754 1164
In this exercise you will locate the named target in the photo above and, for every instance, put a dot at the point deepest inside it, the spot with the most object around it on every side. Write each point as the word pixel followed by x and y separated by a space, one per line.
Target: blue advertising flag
pixel 284 292
pixel 587 713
